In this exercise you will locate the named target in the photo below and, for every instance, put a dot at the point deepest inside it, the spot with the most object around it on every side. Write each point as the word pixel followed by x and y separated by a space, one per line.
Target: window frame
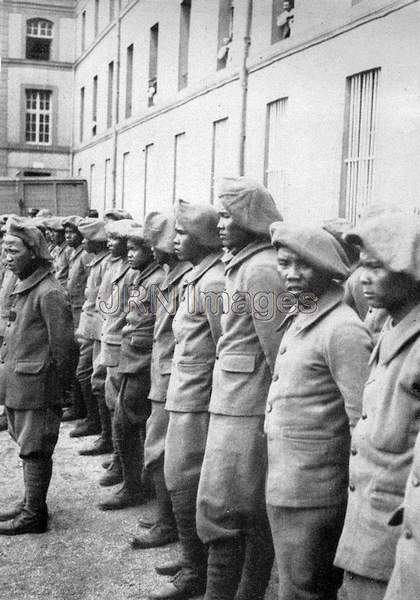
pixel 54 111
pixel 49 38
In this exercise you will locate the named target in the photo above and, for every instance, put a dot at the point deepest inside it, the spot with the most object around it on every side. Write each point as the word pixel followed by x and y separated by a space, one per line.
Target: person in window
pixel 313 404
pixel 285 19
pixel 383 440
pixel 36 365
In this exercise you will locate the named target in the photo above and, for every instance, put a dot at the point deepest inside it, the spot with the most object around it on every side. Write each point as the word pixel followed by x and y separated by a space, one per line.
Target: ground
pixel 85 554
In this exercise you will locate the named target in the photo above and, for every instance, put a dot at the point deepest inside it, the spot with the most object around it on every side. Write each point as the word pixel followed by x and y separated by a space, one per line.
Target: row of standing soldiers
pixel 262 377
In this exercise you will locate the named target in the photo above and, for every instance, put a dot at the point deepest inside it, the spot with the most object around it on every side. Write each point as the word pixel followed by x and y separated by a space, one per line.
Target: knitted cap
pixel 93 229
pixel 31 236
pixel 200 220
pixel 159 230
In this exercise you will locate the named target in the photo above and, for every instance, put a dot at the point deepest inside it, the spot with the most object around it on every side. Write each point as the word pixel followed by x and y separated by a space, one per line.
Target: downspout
pixel 243 79
pixel 117 112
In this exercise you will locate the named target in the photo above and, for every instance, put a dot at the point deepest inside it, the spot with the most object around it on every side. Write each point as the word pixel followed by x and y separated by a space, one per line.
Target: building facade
pixel 36 87
pixel 320 100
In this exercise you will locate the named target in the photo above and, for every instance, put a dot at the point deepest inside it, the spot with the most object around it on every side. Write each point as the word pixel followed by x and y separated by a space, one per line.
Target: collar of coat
pixel 61 248
pixel 198 271
pixel 142 275
pixel 97 258
pixel 175 274
pixel 332 296
pixel 245 253
pixel 31 281
pixel 124 268
pixel 76 252
pixel 393 339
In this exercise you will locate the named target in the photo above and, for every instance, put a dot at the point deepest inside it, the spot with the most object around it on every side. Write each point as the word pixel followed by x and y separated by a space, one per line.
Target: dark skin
pixel 398 293
pixel 57 237
pixel 72 236
pixel 187 247
pixel 233 237
pixel 94 247
pixel 117 246
pixel 20 259
pixel 298 276
pixel 139 254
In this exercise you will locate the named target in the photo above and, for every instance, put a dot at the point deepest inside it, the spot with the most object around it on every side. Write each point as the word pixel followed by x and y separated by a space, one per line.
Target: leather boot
pixel 13 512
pixel 225 562
pixel 123 498
pixel 91 425
pixel 191 579
pixel 34 516
pixel 103 445
pixel 77 409
pixel 170 568
pixel 126 437
pixel 164 531
pixel 258 563
pixel 113 475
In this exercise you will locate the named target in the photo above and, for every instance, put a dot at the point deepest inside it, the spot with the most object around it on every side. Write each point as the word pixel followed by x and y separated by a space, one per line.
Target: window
pixel 92 183
pixel 38 117
pixel 39 35
pixel 111 10
pixel 107 184
pixel 82 113
pixel 282 20
pixel 149 176
pixel 110 93
pixel 79 172
pixel 96 18
pixel 225 32
pixel 184 41
pixel 129 82
pixel 180 166
pixel 276 147
pixel 218 154
pixel 125 179
pixel 153 63
pixel 359 143
pixel 83 32
pixel 94 104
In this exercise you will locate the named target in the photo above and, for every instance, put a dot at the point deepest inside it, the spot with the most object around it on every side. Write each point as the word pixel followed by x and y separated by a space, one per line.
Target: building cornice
pixel 35 64
pixel 36 6
pixel 37 149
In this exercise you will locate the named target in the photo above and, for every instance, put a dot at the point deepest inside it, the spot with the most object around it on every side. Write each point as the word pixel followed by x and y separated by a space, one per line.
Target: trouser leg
pixel 225 561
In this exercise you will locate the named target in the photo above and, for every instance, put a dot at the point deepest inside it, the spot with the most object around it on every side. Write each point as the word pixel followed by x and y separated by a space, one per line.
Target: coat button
pixel 352 487
pixel 415 482
pixel 269 407
pixel 353 451
pixel 408 534
pixel 364 416
pixel 282 350
pixel 275 378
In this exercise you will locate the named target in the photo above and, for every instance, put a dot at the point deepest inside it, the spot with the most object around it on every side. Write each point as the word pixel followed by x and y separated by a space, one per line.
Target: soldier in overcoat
pixel 313 404
pixel 383 440
pixel 196 328
pixel 36 364
pixel 231 513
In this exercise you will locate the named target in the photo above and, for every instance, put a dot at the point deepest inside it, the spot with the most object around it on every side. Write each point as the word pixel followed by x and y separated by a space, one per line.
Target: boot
pixel 92 424
pixel 77 409
pixel 126 438
pixel 225 562
pixel 13 512
pixel 103 445
pixel 169 568
pixel 164 531
pixel 184 585
pixel 3 423
pixel 113 475
pixel 123 498
pixel 34 516
pixel 258 563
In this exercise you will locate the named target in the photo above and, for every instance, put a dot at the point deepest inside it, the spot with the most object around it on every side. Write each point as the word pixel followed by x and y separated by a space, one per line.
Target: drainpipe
pixel 243 80
pixel 117 111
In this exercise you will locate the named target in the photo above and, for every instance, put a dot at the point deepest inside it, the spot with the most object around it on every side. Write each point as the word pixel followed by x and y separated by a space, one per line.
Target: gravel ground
pixel 85 554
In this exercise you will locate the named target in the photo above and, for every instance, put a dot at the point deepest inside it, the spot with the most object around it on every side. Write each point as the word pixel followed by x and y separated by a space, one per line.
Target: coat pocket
pixel 165 367
pixel 238 363
pixel 29 367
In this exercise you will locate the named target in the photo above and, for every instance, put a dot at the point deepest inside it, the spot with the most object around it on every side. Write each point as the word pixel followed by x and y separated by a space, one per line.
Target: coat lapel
pixel 31 281
pixel 396 337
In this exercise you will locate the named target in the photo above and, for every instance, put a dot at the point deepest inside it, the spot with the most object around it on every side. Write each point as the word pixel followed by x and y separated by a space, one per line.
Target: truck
pixel 62 196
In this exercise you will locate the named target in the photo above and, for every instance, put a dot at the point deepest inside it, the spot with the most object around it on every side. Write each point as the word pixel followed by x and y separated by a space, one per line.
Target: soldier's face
pixel 57 237
pixel 19 258
pixel 231 234
pixel 73 237
pixel 383 288
pixel 298 276
pixel 117 246
pixel 138 255
pixel 186 246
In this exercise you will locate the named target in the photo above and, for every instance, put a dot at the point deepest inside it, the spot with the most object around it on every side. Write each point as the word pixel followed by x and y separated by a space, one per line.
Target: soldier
pixel 314 401
pixel 160 230
pixel 133 405
pixel 231 514
pixel 61 251
pixel 36 363
pixel 383 440
pixel 95 244
pixel 196 328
